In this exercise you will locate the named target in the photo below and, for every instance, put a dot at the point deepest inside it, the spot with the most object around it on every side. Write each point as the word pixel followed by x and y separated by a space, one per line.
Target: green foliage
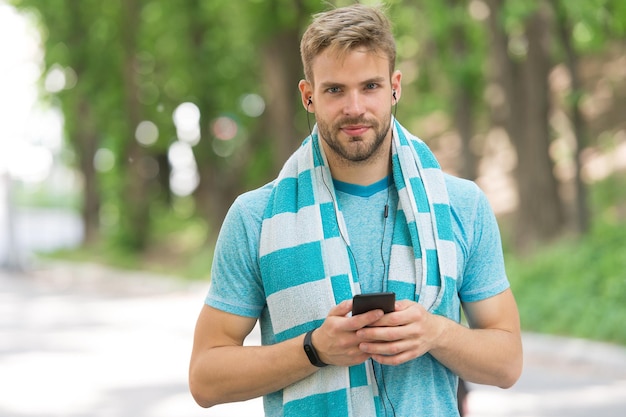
pixel 577 287
pixel 211 53
pixel 178 246
pixel 43 197
pixel 593 21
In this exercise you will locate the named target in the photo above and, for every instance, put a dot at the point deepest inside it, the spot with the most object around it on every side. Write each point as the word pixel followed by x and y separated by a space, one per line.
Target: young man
pixel 361 207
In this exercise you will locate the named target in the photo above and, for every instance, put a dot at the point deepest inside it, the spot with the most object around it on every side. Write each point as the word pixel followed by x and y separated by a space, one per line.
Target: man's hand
pixel 336 340
pixel 488 352
pixel 405 334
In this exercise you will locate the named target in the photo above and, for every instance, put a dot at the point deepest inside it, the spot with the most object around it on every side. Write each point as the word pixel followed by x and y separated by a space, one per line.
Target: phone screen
pixel 362 303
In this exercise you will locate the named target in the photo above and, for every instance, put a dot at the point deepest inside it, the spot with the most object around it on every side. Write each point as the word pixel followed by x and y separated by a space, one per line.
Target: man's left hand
pixel 405 334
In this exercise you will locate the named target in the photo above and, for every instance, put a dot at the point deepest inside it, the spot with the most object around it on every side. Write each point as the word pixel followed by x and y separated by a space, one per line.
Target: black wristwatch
pixel 310 351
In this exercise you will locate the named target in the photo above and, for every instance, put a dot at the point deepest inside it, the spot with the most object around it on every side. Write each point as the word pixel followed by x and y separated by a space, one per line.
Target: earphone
pixel 311 102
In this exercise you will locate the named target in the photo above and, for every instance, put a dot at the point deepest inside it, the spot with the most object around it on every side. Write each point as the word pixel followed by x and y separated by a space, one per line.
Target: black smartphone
pixel 362 303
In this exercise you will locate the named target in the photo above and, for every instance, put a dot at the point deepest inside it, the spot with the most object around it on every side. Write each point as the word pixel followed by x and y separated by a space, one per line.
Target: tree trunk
pixel 525 116
pixel 464 104
pixel 282 71
pixel 87 144
pixel 564 29
pixel 82 132
pixel 134 216
pixel 220 184
pixel 463 121
pixel 540 204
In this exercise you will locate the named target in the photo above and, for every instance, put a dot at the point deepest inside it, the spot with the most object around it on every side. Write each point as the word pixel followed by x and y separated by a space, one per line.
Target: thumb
pixel 341 309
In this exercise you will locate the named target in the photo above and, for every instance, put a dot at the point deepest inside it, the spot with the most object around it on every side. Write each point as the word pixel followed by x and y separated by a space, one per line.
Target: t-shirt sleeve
pixel 484 274
pixel 235 277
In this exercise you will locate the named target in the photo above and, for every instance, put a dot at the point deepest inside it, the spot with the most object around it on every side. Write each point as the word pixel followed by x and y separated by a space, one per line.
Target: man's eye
pixel 371 86
pixel 334 90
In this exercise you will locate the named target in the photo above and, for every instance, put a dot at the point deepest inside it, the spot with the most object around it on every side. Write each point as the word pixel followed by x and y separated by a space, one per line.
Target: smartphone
pixel 362 303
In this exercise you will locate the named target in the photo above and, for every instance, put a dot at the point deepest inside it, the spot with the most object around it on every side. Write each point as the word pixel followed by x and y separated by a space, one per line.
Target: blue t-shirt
pixel 419 387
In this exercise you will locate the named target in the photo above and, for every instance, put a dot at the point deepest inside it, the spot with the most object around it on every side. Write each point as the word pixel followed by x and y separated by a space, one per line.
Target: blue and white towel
pixel 306 266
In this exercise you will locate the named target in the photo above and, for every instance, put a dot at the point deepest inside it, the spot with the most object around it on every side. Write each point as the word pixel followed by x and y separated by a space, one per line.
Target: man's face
pixel 352 96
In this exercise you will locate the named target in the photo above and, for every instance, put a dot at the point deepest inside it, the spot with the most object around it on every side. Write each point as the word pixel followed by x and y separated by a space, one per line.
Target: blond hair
pixel 345 29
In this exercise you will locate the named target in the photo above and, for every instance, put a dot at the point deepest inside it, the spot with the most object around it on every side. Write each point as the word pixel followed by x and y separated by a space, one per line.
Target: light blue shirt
pixel 422 387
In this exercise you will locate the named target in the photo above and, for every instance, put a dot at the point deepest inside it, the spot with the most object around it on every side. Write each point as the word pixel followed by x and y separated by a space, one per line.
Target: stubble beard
pixel 362 149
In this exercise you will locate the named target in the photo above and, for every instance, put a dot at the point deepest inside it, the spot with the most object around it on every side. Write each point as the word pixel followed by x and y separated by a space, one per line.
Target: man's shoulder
pixel 256 196
pixel 460 188
pixel 242 224
pixel 468 202
pixel 253 202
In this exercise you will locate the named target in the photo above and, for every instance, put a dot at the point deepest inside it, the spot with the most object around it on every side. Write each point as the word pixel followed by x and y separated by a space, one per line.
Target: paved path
pixel 87 341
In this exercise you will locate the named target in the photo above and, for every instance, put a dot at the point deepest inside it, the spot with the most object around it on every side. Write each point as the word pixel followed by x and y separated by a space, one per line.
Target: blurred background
pixel 127 128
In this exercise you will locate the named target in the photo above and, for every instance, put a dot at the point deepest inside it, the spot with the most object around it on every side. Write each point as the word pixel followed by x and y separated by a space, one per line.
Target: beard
pixel 357 148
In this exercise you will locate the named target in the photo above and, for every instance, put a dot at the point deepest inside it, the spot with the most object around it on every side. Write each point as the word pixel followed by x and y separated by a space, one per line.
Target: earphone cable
pixel 351 254
pixel 382 387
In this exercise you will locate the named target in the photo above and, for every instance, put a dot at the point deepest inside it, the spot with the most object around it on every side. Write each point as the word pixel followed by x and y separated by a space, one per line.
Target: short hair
pixel 344 29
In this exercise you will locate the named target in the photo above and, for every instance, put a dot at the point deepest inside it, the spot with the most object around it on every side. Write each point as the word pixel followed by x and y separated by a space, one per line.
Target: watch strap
pixel 311 352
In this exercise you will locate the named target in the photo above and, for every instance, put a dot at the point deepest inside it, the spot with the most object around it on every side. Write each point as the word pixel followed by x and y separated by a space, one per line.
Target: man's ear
pixel 306 94
pixel 396 85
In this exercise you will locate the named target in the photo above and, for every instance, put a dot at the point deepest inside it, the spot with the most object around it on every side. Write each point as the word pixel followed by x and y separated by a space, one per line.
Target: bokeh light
pixel 58 79
pixel 147 133
pixel 104 160
pixel 184 176
pixel 223 148
pixel 30 163
pixel 180 155
pixel 478 10
pixel 252 105
pixel 224 128
pixel 187 121
pixel 55 79
pixel 183 182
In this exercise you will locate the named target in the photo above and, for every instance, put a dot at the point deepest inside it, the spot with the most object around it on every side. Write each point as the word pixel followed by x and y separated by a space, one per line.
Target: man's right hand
pixel 336 341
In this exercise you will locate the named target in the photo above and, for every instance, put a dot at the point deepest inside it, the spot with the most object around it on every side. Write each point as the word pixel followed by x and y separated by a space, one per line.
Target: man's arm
pixel 489 352
pixel 223 370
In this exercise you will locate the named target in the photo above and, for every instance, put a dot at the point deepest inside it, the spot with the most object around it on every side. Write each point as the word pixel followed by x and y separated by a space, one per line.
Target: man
pixel 361 207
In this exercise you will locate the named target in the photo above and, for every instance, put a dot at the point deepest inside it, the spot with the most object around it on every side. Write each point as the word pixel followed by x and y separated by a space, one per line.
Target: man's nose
pixel 354 104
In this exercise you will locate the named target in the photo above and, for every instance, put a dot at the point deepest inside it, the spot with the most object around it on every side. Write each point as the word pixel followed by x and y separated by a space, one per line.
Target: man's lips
pixel 356 130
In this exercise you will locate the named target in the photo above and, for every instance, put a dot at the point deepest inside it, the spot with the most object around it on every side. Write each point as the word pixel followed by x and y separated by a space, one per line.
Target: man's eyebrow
pixel 378 80
pixel 329 84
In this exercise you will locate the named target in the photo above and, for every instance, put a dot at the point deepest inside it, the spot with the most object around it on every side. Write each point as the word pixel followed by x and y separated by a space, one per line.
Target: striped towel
pixel 307 269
